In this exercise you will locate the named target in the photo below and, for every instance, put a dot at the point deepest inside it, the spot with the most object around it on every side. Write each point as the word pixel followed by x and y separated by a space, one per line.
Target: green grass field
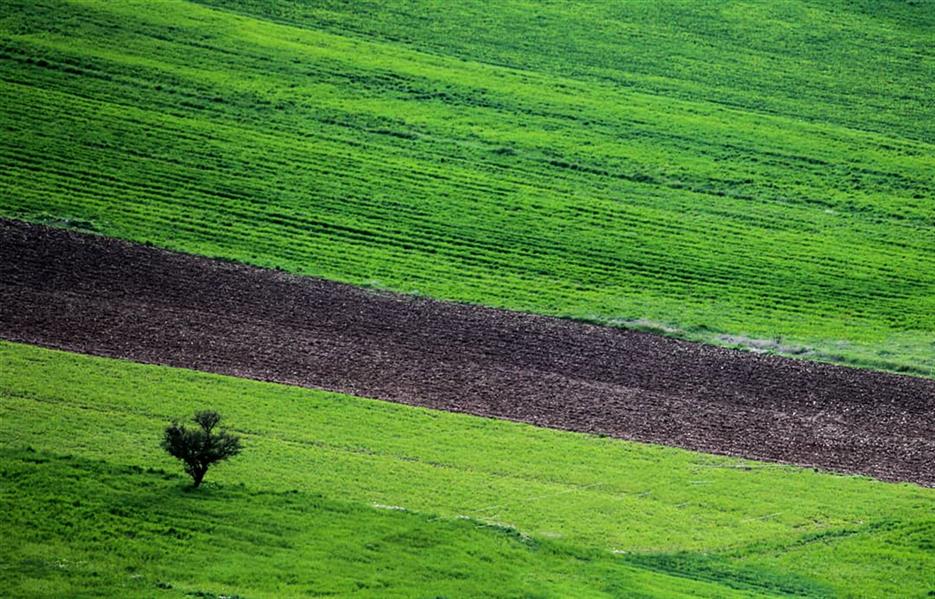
pixel 741 173
pixel 337 494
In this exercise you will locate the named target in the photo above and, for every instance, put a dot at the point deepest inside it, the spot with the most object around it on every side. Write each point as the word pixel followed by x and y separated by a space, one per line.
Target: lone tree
pixel 200 447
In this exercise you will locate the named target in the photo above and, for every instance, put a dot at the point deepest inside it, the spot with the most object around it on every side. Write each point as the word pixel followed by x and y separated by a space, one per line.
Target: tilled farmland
pixel 574 173
pixel 108 297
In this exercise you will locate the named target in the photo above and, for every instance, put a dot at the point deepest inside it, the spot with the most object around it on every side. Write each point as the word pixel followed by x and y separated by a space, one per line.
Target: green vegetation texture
pixel 338 494
pixel 752 173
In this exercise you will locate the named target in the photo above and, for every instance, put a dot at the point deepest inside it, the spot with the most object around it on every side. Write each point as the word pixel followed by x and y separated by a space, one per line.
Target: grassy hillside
pixel 341 494
pixel 744 173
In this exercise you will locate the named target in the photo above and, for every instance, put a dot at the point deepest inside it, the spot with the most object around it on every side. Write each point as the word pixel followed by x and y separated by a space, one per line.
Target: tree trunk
pixel 197 476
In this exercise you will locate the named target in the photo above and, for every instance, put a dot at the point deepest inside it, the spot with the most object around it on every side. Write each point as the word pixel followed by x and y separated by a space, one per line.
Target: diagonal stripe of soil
pixel 108 297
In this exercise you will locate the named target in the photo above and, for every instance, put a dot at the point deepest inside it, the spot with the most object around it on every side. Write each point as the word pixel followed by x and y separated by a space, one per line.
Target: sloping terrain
pixel 355 497
pixel 739 173
pixel 108 297
pixel 756 174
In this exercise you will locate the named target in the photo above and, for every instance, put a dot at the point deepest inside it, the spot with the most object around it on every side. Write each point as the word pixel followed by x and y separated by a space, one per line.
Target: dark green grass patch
pixel 757 175
pixel 79 527
pixel 353 496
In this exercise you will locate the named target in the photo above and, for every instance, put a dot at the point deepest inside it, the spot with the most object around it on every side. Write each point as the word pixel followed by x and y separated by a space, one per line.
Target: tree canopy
pixel 200 447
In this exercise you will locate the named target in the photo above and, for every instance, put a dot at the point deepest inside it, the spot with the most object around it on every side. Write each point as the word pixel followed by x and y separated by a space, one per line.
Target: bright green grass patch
pixel 756 174
pixel 488 506
pixel 87 527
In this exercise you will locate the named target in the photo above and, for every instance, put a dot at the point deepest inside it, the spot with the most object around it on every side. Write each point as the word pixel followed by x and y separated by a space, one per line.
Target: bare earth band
pixel 111 298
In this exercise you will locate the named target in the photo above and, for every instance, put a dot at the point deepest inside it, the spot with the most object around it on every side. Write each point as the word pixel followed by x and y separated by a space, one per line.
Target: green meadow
pixel 744 173
pixel 347 496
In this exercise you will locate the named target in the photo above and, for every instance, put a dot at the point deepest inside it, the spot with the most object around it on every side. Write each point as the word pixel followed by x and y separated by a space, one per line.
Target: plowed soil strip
pixel 112 298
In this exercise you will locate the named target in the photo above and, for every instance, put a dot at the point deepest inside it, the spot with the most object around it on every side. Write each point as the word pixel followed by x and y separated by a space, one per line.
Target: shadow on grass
pixel 152 523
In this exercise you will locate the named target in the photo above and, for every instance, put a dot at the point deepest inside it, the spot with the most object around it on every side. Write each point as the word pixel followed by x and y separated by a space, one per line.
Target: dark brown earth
pixel 107 297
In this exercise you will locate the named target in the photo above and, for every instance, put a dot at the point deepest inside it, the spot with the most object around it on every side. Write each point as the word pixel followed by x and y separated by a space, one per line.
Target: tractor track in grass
pixel 112 298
